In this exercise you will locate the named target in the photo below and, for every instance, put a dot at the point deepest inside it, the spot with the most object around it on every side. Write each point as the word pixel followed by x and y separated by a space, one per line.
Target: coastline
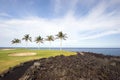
pixel 87 63
pixel 105 51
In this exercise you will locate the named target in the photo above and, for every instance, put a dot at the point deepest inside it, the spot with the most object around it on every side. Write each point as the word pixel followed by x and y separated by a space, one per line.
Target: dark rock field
pixel 89 66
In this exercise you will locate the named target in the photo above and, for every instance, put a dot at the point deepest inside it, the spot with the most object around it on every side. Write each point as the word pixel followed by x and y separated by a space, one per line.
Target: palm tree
pixel 50 38
pixel 16 41
pixel 61 36
pixel 27 38
pixel 39 40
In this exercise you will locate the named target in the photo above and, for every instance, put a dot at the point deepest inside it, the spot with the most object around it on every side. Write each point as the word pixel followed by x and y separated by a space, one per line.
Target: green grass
pixel 10 61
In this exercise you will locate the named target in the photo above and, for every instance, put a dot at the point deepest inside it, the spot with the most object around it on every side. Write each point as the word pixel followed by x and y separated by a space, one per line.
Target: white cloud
pixel 101 34
pixel 96 20
pixel 67 5
pixel 57 6
pixel 3 14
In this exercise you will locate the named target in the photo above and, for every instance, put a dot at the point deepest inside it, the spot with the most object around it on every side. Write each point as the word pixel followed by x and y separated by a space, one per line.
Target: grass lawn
pixel 10 61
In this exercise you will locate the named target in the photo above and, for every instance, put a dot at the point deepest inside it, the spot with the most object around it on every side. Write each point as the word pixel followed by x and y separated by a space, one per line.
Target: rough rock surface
pixel 89 66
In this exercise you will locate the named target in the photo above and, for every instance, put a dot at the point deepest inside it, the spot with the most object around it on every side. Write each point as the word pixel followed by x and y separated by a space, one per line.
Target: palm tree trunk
pixel 39 46
pixel 50 45
pixel 26 45
pixel 60 44
pixel 16 46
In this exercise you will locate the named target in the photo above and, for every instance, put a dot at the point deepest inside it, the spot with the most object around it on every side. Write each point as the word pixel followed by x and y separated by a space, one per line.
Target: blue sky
pixel 88 23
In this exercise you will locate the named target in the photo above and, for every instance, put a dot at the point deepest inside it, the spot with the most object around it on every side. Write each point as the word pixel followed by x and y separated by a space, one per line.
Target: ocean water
pixel 105 51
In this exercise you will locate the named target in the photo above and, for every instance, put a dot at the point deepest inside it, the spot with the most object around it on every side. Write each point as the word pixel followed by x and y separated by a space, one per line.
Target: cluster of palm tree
pixel 40 40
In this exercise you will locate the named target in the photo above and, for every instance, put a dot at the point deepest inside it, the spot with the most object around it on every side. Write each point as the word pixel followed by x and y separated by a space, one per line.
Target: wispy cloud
pixel 57 6
pixel 102 34
pixel 98 22
pixel 3 14
pixel 64 5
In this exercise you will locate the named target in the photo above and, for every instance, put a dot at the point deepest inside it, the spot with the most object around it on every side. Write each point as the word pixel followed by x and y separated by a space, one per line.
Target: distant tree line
pixel 40 39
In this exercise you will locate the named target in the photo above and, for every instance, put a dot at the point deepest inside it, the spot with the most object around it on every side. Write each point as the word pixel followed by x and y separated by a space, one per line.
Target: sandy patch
pixel 23 54
pixel 7 49
pixel 82 53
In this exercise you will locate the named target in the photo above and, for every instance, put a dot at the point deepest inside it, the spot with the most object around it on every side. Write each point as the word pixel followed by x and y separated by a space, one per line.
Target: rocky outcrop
pixel 77 67
pixel 89 66
pixel 16 72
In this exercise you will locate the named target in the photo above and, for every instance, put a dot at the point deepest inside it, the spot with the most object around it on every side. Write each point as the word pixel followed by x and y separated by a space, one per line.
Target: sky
pixel 87 23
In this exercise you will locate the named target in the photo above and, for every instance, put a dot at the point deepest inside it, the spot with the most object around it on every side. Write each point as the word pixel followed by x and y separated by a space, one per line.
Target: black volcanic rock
pixel 89 66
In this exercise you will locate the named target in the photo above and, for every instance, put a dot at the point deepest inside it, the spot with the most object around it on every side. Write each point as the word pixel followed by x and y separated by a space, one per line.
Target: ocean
pixel 105 51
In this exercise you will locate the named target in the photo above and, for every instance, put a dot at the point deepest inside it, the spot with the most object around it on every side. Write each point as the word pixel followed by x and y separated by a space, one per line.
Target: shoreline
pixel 105 51
pixel 98 59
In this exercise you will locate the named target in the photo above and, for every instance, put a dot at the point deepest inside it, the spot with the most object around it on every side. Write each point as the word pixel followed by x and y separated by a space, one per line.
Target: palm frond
pixel 50 38
pixel 15 41
pixel 27 38
pixel 39 39
pixel 60 35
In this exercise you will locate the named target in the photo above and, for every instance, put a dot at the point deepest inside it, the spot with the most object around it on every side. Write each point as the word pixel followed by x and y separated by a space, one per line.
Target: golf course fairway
pixel 12 57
